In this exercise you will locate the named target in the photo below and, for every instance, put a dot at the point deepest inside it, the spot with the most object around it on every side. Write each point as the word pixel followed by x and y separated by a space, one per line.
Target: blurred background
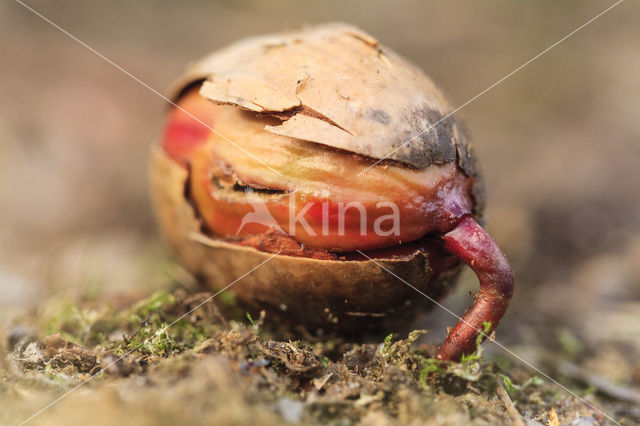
pixel 559 143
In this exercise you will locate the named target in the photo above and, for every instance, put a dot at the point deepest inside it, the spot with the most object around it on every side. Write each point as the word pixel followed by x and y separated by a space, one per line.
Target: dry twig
pixel 509 406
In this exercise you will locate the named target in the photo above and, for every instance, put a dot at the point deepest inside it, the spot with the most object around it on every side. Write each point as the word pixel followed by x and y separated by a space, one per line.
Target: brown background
pixel 559 142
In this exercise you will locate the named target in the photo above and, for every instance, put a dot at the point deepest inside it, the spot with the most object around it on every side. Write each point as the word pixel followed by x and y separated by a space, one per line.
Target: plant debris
pixel 223 364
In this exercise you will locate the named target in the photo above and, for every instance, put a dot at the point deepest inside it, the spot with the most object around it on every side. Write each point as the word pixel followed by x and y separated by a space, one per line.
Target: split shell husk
pixel 345 296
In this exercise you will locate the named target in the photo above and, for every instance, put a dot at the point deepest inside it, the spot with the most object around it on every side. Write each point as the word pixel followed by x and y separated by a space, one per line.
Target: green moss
pixel 151 341
pixel 153 303
pixel 248 315
pixel 76 325
pixel 227 298
pixel 570 344
pixel 163 338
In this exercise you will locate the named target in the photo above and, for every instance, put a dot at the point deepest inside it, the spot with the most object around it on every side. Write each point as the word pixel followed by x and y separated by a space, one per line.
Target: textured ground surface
pixel 208 367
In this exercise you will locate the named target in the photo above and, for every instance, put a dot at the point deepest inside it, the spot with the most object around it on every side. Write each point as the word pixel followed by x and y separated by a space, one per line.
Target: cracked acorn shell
pixel 336 87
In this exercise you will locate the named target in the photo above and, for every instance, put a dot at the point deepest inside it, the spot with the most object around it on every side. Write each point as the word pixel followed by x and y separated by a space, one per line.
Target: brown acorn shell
pixel 338 86
pixel 349 296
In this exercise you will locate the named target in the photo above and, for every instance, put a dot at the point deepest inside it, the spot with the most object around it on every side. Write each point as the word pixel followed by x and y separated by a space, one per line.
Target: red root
pixel 473 245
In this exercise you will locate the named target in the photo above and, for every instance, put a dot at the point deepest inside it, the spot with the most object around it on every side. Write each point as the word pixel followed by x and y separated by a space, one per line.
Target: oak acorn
pixel 294 146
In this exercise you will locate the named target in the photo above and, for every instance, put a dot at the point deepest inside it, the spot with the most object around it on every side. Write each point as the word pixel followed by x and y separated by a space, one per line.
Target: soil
pixel 192 358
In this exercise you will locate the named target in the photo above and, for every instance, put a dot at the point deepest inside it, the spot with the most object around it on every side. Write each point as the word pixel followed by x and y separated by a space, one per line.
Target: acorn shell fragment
pixel 337 86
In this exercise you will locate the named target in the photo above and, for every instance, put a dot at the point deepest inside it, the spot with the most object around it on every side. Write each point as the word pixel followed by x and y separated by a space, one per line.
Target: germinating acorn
pixel 295 145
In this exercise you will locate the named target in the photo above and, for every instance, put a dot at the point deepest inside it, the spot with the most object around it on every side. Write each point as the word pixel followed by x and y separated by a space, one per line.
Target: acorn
pixel 334 165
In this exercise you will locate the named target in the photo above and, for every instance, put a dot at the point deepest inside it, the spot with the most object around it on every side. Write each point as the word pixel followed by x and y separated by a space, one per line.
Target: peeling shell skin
pixel 338 87
pixel 342 89
pixel 345 296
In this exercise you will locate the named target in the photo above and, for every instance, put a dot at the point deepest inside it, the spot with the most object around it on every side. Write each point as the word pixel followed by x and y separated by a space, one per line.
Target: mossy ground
pixel 558 143
pixel 170 358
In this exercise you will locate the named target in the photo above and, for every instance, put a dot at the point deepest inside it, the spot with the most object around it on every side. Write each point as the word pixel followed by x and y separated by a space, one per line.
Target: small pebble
pixel 290 410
